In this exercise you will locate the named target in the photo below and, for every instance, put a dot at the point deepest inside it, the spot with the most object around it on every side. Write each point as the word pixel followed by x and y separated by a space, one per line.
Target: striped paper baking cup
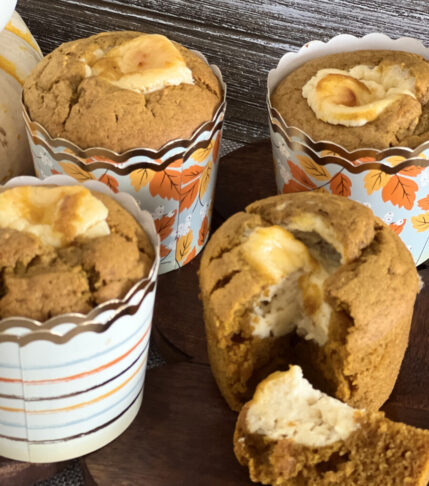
pixel 393 182
pixel 71 384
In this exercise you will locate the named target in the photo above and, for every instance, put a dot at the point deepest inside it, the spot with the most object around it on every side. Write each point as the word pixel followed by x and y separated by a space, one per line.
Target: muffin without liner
pixel 307 278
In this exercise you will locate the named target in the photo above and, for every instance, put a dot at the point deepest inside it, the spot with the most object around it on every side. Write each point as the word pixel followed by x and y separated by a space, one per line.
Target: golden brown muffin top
pixel 40 281
pixel 91 112
pixel 373 277
pixel 405 122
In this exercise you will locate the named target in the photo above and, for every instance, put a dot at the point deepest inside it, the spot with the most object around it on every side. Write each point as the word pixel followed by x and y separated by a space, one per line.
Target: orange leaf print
pixel 192 173
pixel 76 172
pixel 190 256
pixel 412 171
pixel 341 185
pixel 400 191
pixel 421 222
pixel 166 184
pixel 191 177
pixel 110 182
pixel 375 180
pixel 205 178
pixel 293 186
pixel 201 154
pixel 203 231
pixel 55 172
pixel 176 164
pixel 216 148
pixel 164 251
pixel 140 178
pixel 300 175
pixel 164 225
pixel 397 228
pixel 183 246
pixel 424 203
pixel 313 169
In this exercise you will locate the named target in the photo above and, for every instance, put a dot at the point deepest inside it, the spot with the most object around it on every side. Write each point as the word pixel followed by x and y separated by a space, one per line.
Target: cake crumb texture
pixel 377 452
pixel 91 112
pixel 39 281
pixel 346 325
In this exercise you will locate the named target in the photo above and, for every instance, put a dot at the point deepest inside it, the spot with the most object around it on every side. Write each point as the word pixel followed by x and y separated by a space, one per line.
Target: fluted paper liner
pixel 73 383
pixel 393 182
pixel 175 183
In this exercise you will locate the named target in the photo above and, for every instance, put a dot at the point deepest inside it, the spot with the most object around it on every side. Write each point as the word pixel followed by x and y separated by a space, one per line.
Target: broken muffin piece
pixel 312 279
pixel 290 434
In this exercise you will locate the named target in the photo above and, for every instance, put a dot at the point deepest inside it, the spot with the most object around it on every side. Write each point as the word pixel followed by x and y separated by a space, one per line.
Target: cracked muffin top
pixel 122 90
pixel 66 249
pixel 373 98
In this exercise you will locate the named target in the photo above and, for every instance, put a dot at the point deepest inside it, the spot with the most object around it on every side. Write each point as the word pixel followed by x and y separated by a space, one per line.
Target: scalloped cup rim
pixel 385 152
pixel 121 303
pixel 318 45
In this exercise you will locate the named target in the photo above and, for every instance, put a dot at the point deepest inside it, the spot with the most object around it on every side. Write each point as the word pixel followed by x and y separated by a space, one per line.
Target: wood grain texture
pixel 183 440
pixel 244 37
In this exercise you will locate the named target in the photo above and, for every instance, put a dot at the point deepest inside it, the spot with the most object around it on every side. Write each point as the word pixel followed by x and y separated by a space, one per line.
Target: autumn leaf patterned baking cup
pixel 74 383
pixel 175 183
pixel 393 182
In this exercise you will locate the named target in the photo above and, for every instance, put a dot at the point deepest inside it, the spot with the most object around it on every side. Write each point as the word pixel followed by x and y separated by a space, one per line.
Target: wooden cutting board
pixel 183 432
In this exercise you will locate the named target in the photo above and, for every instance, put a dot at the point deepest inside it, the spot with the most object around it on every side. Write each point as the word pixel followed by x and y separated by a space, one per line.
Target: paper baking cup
pixel 175 183
pixel 393 182
pixel 73 383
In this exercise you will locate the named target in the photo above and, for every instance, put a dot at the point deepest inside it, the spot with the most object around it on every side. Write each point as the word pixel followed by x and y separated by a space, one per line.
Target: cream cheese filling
pixel 147 63
pixel 285 405
pixel 56 215
pixel 293 297
pixel 355 97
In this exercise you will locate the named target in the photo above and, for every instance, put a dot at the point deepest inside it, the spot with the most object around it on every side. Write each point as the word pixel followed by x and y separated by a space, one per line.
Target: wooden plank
pixel 245 38
pixel 181 436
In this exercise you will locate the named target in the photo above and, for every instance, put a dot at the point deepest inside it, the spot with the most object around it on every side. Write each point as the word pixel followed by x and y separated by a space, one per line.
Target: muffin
pixel 312 279
pixel 122 90
pixel 351 116
pixel 291 434
pixel 65 249
pixel 368 98
pixel 143 115
pixel 78 277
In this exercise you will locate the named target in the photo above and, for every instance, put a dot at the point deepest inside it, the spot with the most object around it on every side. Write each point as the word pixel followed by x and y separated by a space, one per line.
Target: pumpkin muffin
pixel 370 98
pixel 66 249
pixel 122 90
pixel 312 279
pixel 290 434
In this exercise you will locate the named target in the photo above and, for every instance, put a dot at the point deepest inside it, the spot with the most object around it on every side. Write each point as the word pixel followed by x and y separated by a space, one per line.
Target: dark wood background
pixel 245 38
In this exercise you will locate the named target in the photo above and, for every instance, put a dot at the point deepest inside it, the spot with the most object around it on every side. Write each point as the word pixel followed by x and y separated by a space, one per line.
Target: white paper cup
pixel 73 383
pixel 175 183
pixel 393 182
pixel 19 53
